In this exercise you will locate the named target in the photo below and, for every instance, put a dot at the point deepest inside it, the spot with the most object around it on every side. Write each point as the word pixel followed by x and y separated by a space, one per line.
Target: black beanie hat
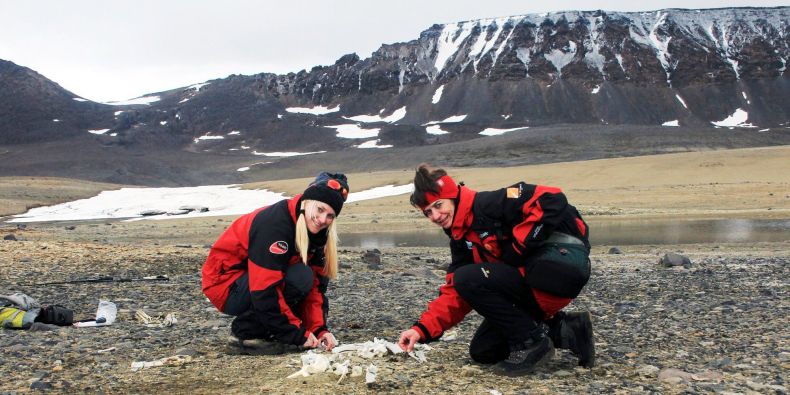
pixel 331 189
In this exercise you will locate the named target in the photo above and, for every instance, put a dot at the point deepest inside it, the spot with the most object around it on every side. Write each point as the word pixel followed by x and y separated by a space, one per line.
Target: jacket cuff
pixel 425 334
pixel 320 331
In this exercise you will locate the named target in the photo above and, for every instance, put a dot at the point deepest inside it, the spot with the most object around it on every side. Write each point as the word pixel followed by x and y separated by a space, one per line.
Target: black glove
pixel 512 257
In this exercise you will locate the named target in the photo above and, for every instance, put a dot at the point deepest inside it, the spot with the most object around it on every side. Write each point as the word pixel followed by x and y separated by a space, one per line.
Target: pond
pixel 623 232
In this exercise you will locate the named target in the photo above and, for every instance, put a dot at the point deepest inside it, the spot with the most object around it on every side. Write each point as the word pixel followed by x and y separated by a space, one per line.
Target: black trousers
pixel 511 315
pixel 298 283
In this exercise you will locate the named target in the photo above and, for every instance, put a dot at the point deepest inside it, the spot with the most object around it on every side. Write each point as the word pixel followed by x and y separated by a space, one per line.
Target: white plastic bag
pixel 105 315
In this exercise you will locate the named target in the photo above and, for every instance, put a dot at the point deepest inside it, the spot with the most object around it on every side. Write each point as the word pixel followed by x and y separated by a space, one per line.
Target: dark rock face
pixel 33 108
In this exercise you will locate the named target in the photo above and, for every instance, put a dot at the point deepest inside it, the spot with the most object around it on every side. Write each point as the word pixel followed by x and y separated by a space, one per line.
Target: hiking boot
pixel 573 331
pixel 255 346
pixel 527 356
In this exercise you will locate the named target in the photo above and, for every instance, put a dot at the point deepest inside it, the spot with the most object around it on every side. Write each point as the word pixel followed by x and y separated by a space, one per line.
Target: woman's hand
pixel 327 341
pixel 311 341
pixel 408 339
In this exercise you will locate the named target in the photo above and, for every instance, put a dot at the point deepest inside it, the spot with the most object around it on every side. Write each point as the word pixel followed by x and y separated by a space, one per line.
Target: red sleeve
pixel 442 313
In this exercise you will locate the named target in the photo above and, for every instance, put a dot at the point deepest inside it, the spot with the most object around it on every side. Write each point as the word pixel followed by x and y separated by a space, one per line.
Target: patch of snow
pixel 197 87
pixel 596 89
pixel 183 100
pixel 561 57
pixel 234 133
pixel 620 61
pixel 437 95
pixel 113 134
pixel 451 119
pixel 497 132
pixel 373 144
pixel 671 123
pixel 395 116
pixel 208 137
pixel 283 154
pixel 117 113
pixel 56 120
pixel 245 147
pixel 353 131
pixel 279 116
pixel 79 99
pixel 318 110
pixel 506 116
pixel 220 199
pixel 243 168
pixel 680 99
pixel 737 119
pixel 525 56
pixel 594 57
pixel 448 42
pixel 380 192
pixel 130 202
pixel 99 131
pixel 435 130
pixel 163 123
pixel 764 130
pixel 137 100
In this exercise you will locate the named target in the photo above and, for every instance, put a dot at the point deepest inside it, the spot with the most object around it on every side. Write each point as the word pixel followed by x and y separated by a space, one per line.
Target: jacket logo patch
pixel 513 193
pixel 278 247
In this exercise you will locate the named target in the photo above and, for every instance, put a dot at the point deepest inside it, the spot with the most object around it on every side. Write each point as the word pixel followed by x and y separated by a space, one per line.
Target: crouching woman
pixel 271 269
pixel 519 255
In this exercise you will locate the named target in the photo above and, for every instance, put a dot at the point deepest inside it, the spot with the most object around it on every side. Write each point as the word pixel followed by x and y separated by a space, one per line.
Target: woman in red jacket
pixel 271 269
pixel 519 255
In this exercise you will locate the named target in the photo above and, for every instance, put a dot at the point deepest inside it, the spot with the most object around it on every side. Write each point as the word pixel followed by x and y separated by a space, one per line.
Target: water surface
pixel 623 232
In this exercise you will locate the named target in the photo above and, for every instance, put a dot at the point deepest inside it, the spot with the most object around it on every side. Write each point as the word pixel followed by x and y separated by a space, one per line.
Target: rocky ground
pixel 718 326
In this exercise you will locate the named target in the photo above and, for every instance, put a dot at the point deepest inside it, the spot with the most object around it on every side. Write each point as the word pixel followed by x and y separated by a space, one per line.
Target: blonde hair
pixel 303 241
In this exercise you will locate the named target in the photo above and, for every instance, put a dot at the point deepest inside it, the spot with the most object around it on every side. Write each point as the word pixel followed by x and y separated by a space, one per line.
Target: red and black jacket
pixel 262 243
pixel 499 226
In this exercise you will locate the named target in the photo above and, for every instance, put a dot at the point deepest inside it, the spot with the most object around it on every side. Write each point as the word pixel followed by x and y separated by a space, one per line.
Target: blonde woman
pixel 271 268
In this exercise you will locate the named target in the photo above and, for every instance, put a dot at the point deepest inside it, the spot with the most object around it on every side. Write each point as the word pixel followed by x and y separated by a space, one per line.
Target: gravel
pixel 719 325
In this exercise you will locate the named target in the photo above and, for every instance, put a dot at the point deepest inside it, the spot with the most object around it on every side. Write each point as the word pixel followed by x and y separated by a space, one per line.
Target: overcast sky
pixel 108 50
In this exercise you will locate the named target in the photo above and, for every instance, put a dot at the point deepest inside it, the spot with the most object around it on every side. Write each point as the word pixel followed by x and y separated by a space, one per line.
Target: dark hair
pixel 424 182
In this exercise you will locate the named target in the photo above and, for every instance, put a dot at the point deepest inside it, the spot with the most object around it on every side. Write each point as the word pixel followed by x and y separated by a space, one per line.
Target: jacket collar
pixel 462 220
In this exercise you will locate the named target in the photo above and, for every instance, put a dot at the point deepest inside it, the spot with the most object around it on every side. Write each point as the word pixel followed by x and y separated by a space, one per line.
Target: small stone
pixel 70 227
pixel 372 257
pixel 673 375
pixel 9 237
pixel 40 385
pixel 187 352
pixel 562 373
pixel 648 370
pixel 672 259
pixel 615 251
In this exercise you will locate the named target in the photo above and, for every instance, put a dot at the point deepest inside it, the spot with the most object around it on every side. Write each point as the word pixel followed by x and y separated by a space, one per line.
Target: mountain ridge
pixel 457 82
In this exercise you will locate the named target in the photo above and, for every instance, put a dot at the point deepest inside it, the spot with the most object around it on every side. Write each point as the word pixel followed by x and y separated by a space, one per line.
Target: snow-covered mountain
pixel 461 81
